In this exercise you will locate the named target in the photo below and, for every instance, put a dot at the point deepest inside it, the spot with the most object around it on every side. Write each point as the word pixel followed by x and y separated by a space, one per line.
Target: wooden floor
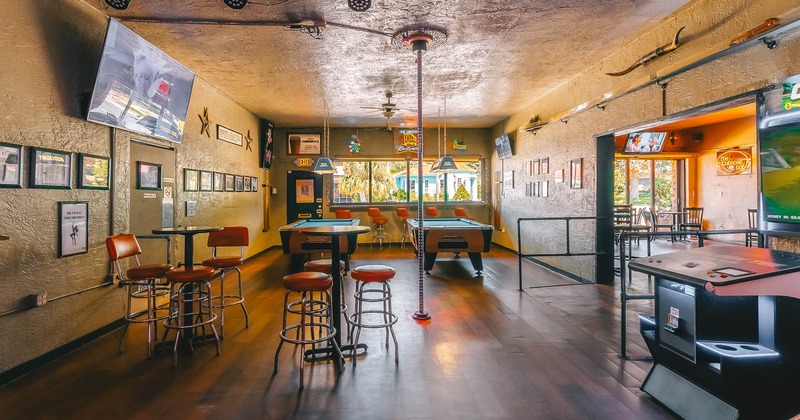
pixel 488 351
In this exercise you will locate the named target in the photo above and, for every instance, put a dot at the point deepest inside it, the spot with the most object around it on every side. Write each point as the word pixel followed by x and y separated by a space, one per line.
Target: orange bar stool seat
pixel 403 214
pixel 379 293
pixel 141 282
pixel 343 214
pixel 228 237
pixel 379 221
pixel 461 212
pixel 190 285
pixel 431 211
pixel 316 323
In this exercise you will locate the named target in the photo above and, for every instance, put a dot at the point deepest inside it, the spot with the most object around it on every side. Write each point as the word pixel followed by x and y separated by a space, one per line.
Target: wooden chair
pixel 693 220
pixel 655 225
pixel 752 222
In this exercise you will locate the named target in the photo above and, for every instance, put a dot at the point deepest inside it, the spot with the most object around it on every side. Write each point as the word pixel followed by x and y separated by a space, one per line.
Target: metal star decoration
pixel 249 140
pixel 205 123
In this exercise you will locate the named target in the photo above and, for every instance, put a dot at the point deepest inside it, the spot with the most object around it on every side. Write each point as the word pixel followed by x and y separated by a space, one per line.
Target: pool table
pixel 452 235
pixel 298 245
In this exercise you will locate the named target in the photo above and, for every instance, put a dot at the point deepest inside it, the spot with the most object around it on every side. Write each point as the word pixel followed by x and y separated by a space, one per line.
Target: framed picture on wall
pixel 266 144
pixel 148 176
pixel 73 228
pixel 50 169
pixel 254 182
pixel 546 165
pixel 535 168
pixel 10 165
pixel 219 181
pixel 191 180
pixel 239 183
pixel 545 189
pixel 304 144
pixel 576 173
pixel 304 191
pixel 247 182
pixel 230 182
pixel 559 175
pixel 93 172
pixel 206 181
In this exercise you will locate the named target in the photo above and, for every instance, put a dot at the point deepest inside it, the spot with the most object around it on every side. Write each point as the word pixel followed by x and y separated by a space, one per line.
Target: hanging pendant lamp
pixel 446 164
pixel 324 165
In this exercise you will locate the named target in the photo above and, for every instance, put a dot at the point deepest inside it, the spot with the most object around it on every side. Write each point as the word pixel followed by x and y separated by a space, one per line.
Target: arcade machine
pixel 725 337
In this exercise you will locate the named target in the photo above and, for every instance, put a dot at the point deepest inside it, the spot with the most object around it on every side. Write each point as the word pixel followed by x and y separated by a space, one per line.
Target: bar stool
pixel 190 284
pixel 379 232
pixel 343 214
pixel 141 282
pixel 431 211
pixel 403 214
pixel 324 266
pixel 461 212
pixel 232 236
pixel 314 314
pixel 374 274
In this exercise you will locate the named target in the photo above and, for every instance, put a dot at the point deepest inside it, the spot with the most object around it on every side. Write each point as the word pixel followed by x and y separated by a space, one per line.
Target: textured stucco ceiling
pixel 499 56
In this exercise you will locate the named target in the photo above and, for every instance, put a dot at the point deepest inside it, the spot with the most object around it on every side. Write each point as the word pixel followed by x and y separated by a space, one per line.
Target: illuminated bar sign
pixel 304 162
pixel 734 162
pixel 405 141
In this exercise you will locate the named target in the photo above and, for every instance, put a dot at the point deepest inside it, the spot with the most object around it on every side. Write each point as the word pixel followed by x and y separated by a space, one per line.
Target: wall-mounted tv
pixel 644 143
pixel 779 163
pixel 139 88
pixel 503 146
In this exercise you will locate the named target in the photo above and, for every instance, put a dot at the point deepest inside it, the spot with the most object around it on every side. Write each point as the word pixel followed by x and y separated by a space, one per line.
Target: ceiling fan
pixel 388 109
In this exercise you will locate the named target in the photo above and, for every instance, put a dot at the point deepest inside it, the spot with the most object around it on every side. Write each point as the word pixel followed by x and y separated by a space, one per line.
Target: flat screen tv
pixel 779 163
pixel 139 88
pixel 503 146
pixel 644 143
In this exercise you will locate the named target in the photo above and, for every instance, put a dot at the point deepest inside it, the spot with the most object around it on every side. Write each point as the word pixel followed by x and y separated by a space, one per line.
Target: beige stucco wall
pixel 49 52
pixel 710 25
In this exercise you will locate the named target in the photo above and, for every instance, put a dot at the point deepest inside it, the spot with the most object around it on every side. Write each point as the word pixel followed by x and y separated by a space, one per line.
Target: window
pixel 395 181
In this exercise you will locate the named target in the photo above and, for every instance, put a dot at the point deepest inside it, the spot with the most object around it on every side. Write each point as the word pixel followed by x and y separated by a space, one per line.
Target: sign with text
pixel 304 162
pixel 405 141
pixel 304 144
pixel 734 162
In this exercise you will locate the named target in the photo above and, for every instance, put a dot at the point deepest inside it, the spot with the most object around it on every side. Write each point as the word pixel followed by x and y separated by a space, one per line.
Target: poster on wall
pixel 266 144
pixel 304 144
pixel 73 228
pixel 304 191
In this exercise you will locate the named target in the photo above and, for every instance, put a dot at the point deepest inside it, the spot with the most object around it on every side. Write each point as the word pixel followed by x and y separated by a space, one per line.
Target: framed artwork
pixel 228 135
pixel 73 228
pixel 528 167
pixel 230 182
pixel 304 144
pixel 576 173
pixel 508 180
pixel 191 179
pixel 304 191
pixel 545 189
pixel 559 174
pixel 239 183
pixel 247 181
pixel 10 165
pixel 529 189
pixel 536 189
pixel 206 181
pixel 94 172
pixel 219 181
pixel 148 176
pixel 50 169
pixel 266 144
pixel 254 182
pixel 546 165
pixel 536 168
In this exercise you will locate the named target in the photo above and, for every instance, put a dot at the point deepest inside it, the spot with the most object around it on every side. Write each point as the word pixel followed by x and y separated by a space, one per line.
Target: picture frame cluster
pixel 196 180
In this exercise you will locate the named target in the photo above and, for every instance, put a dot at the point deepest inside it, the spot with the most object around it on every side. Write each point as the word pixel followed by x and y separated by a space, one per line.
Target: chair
pixel 403 214
pixel 693 220
pixel 141 282
pixel 655 225
pixel 343 214
pixel 461 212
pixel 752 223
pixel 190 285
pixel 314 315
pixel 232 236
pixel 364 276
pixel 431 211
pixel 379 221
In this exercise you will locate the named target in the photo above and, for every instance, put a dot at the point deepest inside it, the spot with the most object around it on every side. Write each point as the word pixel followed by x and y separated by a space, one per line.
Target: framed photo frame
pixel 266 144
pixel 559 175
pixel 93 171
pixel 304 191
pixel 536 167
pixel 576 173
pixel 545 189
pixel 10 165
pixel 148 176
pixel 239 187
pixel 545 165
pixel 73 228
pixel 247 182
pixel 191 179
pixel 508 180
pixel 230 182
pixel 227 135
pixel 219 181
pixel 254 183
pixel 206 181
pixel 529 189
pixel 50 169
pixel 304 144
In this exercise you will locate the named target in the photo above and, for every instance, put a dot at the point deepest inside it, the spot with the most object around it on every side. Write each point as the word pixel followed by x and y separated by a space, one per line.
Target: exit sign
pixel 304 162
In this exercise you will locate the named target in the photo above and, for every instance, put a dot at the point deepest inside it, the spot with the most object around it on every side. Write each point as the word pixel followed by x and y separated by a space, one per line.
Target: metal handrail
pixel 623 292
pixel 569 253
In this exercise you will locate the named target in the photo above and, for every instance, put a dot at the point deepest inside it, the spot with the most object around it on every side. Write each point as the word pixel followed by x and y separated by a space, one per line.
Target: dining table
pixel 335 232
pixel 677 217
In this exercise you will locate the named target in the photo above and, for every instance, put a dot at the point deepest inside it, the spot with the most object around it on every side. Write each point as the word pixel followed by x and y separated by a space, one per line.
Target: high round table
pixel 335 232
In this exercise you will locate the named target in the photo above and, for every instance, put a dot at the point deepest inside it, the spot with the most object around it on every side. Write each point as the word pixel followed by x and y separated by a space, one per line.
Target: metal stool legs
pixel 388 318
pixel 230 300
pixel 203 313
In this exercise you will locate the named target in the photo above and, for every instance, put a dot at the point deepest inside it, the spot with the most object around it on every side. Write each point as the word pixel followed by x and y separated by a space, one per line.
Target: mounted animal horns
pixel 652 55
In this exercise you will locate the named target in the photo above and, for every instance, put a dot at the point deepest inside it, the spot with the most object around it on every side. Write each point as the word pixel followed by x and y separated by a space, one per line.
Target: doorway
pixel 152 181
pixel 652 183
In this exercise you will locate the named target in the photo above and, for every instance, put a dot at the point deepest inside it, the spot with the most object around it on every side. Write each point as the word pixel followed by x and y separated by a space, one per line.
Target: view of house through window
pixel 395 181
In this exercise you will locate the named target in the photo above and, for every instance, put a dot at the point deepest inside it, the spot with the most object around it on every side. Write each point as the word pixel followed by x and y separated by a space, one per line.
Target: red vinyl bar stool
pixel 324 266
pixel 461 212
pixel 403 214
pixel 431 211
pixel 314 315
pixel 379 275
pixel 198 278
pixel 141 282
pixel 379 221
pixel 343 214
pixel 232 236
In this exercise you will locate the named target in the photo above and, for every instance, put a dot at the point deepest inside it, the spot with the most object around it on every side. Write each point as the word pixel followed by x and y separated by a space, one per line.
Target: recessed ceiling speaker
pixel 359 5
pixel 118 4
pixel 235 4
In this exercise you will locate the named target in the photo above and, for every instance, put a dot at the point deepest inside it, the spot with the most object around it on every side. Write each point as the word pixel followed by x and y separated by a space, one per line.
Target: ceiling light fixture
pixel 235 4
pixel 118 4
pixel 420 38
pixel 359 5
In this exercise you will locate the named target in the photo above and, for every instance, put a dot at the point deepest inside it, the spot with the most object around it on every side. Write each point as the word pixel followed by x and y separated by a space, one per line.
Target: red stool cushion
pixel 380 220
pixel 372 273
pixel 308 281
pixel 321 265
pixel 149 271
pixel 190 274
pixel 224 262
